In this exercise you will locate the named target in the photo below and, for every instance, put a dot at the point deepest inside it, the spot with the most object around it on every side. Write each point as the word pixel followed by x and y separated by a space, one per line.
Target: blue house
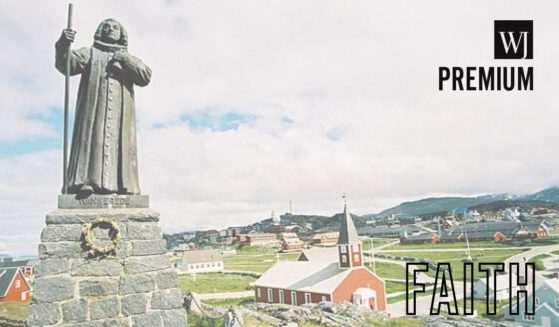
pixel 547 307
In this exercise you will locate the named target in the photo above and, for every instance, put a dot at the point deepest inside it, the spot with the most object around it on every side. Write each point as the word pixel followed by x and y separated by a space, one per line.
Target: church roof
pixel 307 276
pixel 348 233
pixel 329 254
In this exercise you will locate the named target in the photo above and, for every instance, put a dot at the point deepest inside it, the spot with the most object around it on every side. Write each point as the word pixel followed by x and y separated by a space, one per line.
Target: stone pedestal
pixel 132 285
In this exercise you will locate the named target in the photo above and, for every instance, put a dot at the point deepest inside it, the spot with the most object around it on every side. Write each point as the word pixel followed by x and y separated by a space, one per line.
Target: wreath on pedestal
pixel 114 232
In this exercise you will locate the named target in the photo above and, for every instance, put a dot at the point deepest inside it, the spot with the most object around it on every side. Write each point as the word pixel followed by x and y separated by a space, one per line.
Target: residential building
pixel 292 244
pixel 546 313
pixel 394 231
pixel 13 285
pixel 261 239
pixel 328 238
pixel 420 239
pixel 27 267
pixel 202 261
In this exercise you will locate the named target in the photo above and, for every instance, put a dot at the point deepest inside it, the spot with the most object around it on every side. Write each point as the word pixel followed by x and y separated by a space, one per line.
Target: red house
pixel 339 278
pixel 13 286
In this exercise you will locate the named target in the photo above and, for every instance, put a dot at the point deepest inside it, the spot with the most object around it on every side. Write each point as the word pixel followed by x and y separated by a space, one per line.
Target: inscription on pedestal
pixel 95 201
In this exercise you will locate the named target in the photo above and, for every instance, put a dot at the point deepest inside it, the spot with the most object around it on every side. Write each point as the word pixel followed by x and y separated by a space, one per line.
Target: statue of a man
pixel 103 155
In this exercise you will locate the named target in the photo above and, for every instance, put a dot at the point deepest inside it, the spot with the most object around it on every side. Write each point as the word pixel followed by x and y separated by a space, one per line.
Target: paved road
pixel 526 256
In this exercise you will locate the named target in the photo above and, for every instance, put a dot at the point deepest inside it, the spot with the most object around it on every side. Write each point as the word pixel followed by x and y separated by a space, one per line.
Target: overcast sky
pixel 255 103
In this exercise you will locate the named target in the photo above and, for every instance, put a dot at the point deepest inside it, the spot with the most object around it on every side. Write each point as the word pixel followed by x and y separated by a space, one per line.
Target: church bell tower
pixel 350 253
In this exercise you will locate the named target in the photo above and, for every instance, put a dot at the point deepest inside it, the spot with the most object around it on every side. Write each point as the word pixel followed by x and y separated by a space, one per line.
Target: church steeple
pixel 349 245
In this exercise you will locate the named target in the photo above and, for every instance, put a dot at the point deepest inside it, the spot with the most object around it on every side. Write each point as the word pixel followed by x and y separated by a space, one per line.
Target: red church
pixel 334 277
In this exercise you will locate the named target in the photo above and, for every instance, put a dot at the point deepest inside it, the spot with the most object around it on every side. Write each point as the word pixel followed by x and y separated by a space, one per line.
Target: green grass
pixel 395 322
pixel 14 310
pixel 480 307
pixel 538 261
pixel 214 283
pixel 199 320
pixel 545 241
pixel 452 245
pixel 393 287
pixel 251 321
pixel 555 252
pixel 376 242
pixel 455 259
pixel 229 302
pixel 402 297
pixel 388 270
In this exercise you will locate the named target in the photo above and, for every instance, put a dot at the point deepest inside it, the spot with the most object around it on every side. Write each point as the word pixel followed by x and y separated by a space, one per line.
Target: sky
pixel 255 103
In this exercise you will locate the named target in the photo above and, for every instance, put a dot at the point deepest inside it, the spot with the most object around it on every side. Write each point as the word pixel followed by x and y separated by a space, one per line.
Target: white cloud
pixel 360 70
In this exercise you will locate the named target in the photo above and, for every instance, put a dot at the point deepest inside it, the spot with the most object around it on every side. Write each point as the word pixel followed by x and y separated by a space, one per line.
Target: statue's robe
pixel 103 153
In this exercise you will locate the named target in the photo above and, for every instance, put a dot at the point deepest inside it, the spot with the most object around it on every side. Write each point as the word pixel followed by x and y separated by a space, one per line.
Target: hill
pixel 444 204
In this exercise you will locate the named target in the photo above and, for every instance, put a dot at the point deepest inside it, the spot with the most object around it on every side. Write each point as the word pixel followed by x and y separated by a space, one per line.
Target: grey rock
pixel 142 231
pixel 174 318
pixel 50 267
pixel 99 287
pixel 74 311
pixel 83 216
pixel 141 283
pixel 60 250
pixel 57 233
pixel 44 314
pixel 96 268
pixel 105 308
pixel 52 289
pixel 118 322
pixel 133 304
pixel 136 265
pixel 167 299
pixel 152 319
pixel 166 279
pixel 123 250
pixel 150 247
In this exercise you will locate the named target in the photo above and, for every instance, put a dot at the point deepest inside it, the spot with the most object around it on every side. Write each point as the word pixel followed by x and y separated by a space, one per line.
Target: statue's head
pixel 111 31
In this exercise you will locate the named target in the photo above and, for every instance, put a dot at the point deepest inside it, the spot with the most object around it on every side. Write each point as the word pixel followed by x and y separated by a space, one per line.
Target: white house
pixel 503 288
pixel 201 261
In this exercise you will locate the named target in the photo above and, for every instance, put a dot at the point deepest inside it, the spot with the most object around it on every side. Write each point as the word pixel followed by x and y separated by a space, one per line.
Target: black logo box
pixel 518 29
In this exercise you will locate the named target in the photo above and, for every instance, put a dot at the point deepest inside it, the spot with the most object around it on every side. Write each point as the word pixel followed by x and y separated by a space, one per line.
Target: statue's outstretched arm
pixel 133 68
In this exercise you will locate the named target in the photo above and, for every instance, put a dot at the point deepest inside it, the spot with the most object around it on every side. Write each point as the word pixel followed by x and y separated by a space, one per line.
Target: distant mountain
pixel 437 205
pixel 522 205
pixel 445 204
pixel 548 195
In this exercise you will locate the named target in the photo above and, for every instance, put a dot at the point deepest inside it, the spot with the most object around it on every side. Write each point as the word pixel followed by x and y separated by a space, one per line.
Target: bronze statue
pixel 103 155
